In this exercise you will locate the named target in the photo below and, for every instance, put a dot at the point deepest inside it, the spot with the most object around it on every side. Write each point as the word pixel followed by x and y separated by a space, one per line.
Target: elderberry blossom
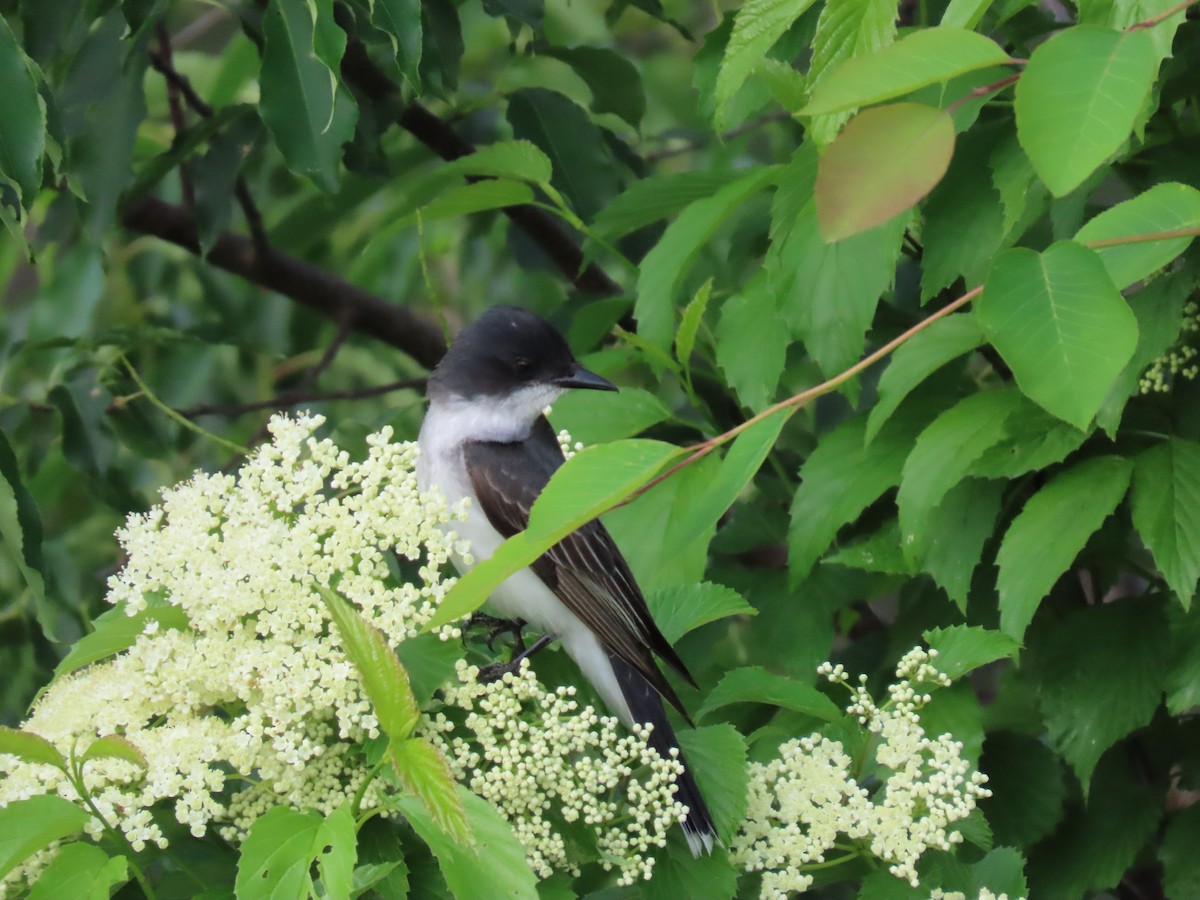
pixel 811 799
pixel 544 762
pixel 984 894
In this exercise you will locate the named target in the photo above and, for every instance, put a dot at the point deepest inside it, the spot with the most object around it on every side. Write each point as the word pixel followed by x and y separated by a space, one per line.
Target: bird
pixel 485 437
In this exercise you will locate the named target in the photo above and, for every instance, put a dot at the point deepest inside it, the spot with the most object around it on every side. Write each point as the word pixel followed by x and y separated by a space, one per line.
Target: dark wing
pixel 585 569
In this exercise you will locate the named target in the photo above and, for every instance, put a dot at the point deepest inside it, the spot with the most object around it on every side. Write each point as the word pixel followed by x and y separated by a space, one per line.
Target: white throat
pixel 452 421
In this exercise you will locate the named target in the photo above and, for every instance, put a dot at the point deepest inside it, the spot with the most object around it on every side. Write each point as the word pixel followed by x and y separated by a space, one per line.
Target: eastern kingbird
pixel 485 438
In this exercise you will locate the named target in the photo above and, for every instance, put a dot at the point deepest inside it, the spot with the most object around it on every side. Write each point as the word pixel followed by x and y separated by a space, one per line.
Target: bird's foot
pixel 497 626
pixel 496 671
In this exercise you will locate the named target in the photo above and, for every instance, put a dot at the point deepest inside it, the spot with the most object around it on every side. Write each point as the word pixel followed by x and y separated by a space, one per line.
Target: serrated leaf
pixel 80 871
pixel 1002 871
pixel 1060 325
pixel 1166 511
pixel 115 632
pixel 588 484
pixel 1078 99
pixel 1012 177
pixel 716 755
pixel 400 20
pixel 113 746
pixel 597 417
pixel 1049 532
pixel 1088 702
pixel 964 648
pixel 689 325
pixel 664 267
pixel 914 361
pixel 24 132
pixel 678 874
pixel 307 111
pixel 1183 667
pixel 383 678
pixel 1028 788
pixel 30 747
pixel 424 771
pixel 684 607
pixel 338 857
pixel 657 197
pixel 493 866
pixel 941 457
pixel 879 552
pixel 751 342
pixel 520 160
pixel 466 199
pixel 959 526
pixel 30 825
pixel 757 685
pixel 1033 439
pixel 917 59
pixel 1165 207
pixel 881 164
pixel 280 849
pixel 757 25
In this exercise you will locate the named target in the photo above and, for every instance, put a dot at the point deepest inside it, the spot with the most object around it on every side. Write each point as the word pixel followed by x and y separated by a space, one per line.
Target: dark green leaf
pixel 958 528
pixel 682 608
pixel 517 12
pixel 757 685
pixel 429 662
pixel 1028 788
pixel 400 20
pixel 22 119
pixel 20 522
pixel 614 81
pixel 716 754
pixel 1183 668
pixel 1180 862
pixel 1166 511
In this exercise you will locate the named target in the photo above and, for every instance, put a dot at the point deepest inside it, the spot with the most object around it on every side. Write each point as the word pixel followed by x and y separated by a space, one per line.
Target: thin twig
pixel 311 376
pixel 982 91
pixel 291 398
pixel 175 416
pixel 176 109
pixel 1143 238
pixel 1162 16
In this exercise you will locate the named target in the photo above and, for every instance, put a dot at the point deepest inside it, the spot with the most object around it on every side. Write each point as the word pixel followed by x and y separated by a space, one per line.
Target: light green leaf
pixel 752 342
pixel 426 774
pixel 493 866
pixel 756 27
pixel 587 485
pixel 383 678
pixel 757 685
pixel 964 648
pixel 1166 511
pixel 689 325
pixel 302 104
pixel 279 850
pixel 465 199
pixel 1013 178
pixel 1078 99
pixel 30 747
pixel 27 826
pixel 1089 703
pixel 1033 439
pixel 1049 532
pixel 958 528
pixel 664 267
pixel 1164 207
pixel 683 607
pixel 80 871
pixel 941 458
pixel 597 417
pixel 716 754
pixel 878 552
pixel 113 746
pixel 881 164
pixel 1060 325
pixel 337 860
pixel 115 632
pixel 913 362
pixel 917 59
pixel 400 20
pixel 964 13
pixel 23 118
pixel 520 160
pixel 657 197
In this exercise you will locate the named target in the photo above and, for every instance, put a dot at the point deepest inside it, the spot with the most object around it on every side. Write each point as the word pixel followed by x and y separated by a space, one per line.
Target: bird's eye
pixel 521 365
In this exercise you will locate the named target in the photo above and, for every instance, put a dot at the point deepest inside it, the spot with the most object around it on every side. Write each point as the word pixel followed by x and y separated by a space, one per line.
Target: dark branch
pixel 301 281
pixel 291 398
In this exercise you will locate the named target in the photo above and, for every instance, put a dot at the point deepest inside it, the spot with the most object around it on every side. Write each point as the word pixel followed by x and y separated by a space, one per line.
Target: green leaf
pixel 81 872
pixel 678 875
pixel 588 484
pixel 466 199
pixel 920 357
pixel 1033 439
pixel 757 685
pixel 584 168
pixel 429 662
pixel 840 479
pixel 878 552
pixel 280 848
pixel 657 197
pixel 23 118
pixel 30 825
pixel 303 105
pixel 520 160
pixel 958 528
pixel 1060 325
pixel 1088 702
pixel 757 25
pixel 751 342
pixel 1183 667
pixel 1177 853
pixel 1028 788
pixel 964 13
pixel 1166 511
pixel 115 632
pixel 1164 207
pixel 1049 532
pixel 32 748
pixel 400 20
pixel 1078 98
pixel 383 678
pixel 917 59
pixel 597 417
pixel 964 648
pixel 716 754
pixel 681 608
pixel 337 859
pixel 881 164
pixel 424 771
pixel 113 746
pixel 493 866
pixel 689 325
pixel 1013 178
pixel 614 81
pixel 20 523
pixel 1002 871
pixel 664 267
pixel 941 458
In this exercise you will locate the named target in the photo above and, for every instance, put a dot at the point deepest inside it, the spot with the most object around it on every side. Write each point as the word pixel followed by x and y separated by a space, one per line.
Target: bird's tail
pixel 646 707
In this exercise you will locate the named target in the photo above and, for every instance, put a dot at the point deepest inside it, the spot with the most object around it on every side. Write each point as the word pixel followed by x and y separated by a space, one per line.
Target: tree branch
pixel 291 398
pixel 296 279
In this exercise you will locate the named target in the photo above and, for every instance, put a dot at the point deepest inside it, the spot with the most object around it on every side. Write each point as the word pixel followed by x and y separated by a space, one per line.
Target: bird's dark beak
pixel 582 378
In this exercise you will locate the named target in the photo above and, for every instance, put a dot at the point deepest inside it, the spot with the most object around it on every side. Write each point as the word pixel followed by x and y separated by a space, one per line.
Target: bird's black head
pixel 509 350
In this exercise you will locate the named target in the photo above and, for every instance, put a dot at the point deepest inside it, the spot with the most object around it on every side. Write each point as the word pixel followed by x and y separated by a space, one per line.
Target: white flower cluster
pixel 810 801
pixel 255 703
pixel 984 894
pixel 545 763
